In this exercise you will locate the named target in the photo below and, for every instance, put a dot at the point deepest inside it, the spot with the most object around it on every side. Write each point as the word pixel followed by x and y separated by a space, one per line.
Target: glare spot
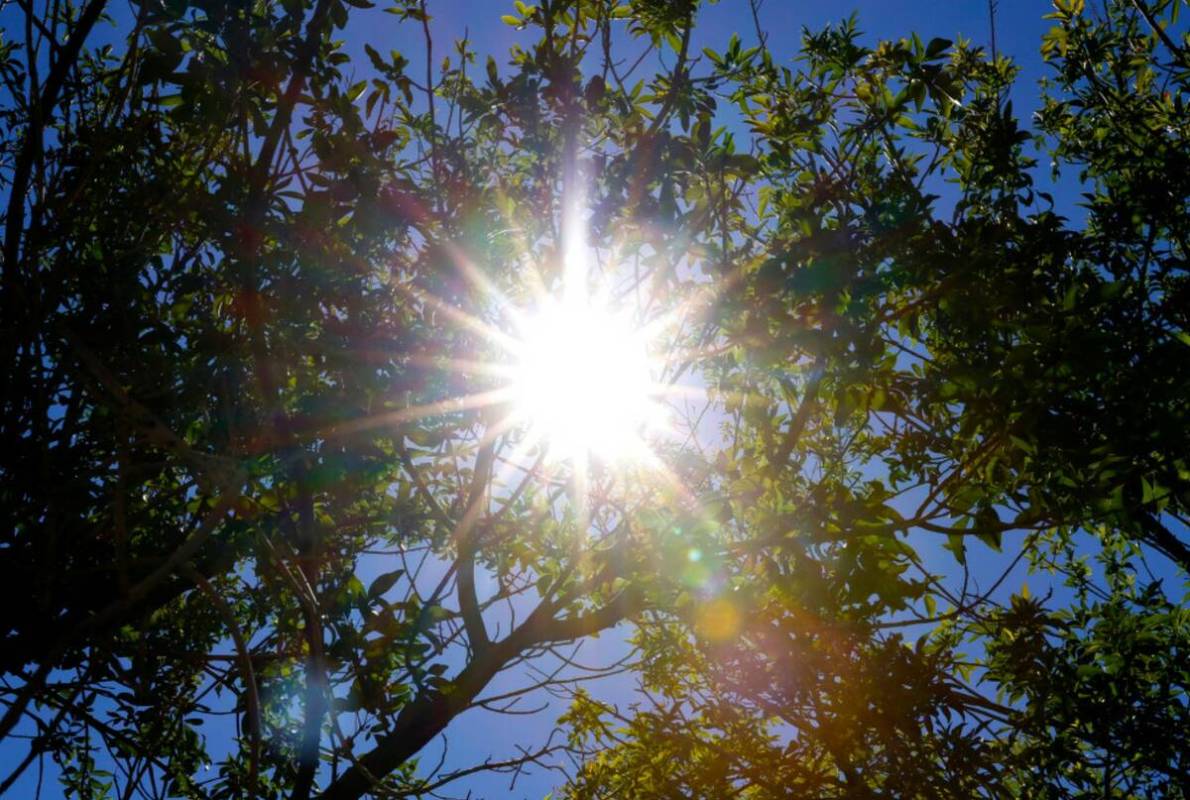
pixel 718 620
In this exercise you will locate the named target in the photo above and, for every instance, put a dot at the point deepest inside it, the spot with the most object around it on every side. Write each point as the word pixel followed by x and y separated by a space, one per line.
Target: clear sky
pixel 477 735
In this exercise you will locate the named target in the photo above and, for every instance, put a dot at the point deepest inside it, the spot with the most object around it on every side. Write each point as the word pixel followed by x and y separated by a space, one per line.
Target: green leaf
pixel 382 583
pixel 956 543
pixel 937 47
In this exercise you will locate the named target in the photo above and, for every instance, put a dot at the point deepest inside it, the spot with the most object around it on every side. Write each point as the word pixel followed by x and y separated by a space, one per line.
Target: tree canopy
pixel 274 518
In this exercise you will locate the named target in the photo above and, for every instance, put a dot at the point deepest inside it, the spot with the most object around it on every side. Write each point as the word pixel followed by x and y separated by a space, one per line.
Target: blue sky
pixel 1020 26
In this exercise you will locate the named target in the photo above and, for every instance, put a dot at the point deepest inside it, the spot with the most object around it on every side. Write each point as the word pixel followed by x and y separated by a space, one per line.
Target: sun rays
pixel 584 377
pixel 576 380
pixel 578 361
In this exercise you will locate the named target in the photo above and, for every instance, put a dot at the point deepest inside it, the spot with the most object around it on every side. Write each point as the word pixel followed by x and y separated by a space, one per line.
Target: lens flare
pixel 718 620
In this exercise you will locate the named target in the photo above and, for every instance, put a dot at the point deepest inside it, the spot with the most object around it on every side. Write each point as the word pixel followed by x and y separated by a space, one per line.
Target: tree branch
pixel 797 425
pixel 23 169
pixel 477 635
pixel 248 674
pixel 429 714
pixel 1177 52
pixel 1164 540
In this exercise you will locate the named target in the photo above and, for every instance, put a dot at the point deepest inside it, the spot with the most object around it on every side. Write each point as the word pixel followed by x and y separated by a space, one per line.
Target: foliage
pixel 992 372
pixel 252 464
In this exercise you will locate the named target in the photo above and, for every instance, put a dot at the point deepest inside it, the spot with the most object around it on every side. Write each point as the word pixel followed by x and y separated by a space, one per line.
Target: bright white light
pixel 582 381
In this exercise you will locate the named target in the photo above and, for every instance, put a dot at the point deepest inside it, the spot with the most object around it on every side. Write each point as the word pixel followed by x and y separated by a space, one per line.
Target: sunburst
pixel 579 369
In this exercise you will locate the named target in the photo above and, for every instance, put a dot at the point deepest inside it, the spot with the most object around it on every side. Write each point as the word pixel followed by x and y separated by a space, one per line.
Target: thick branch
pixel 1164 540
pixel 285 106
pixel 428 715
pixel 797 425
pixel 477 634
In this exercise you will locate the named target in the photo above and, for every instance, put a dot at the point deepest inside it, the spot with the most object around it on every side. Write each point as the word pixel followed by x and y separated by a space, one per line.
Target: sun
pixel 583 381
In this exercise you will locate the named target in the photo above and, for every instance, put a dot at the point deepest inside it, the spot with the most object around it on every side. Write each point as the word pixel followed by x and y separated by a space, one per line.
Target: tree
pixel 238 289
pixel 997 371
pixel 260 459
